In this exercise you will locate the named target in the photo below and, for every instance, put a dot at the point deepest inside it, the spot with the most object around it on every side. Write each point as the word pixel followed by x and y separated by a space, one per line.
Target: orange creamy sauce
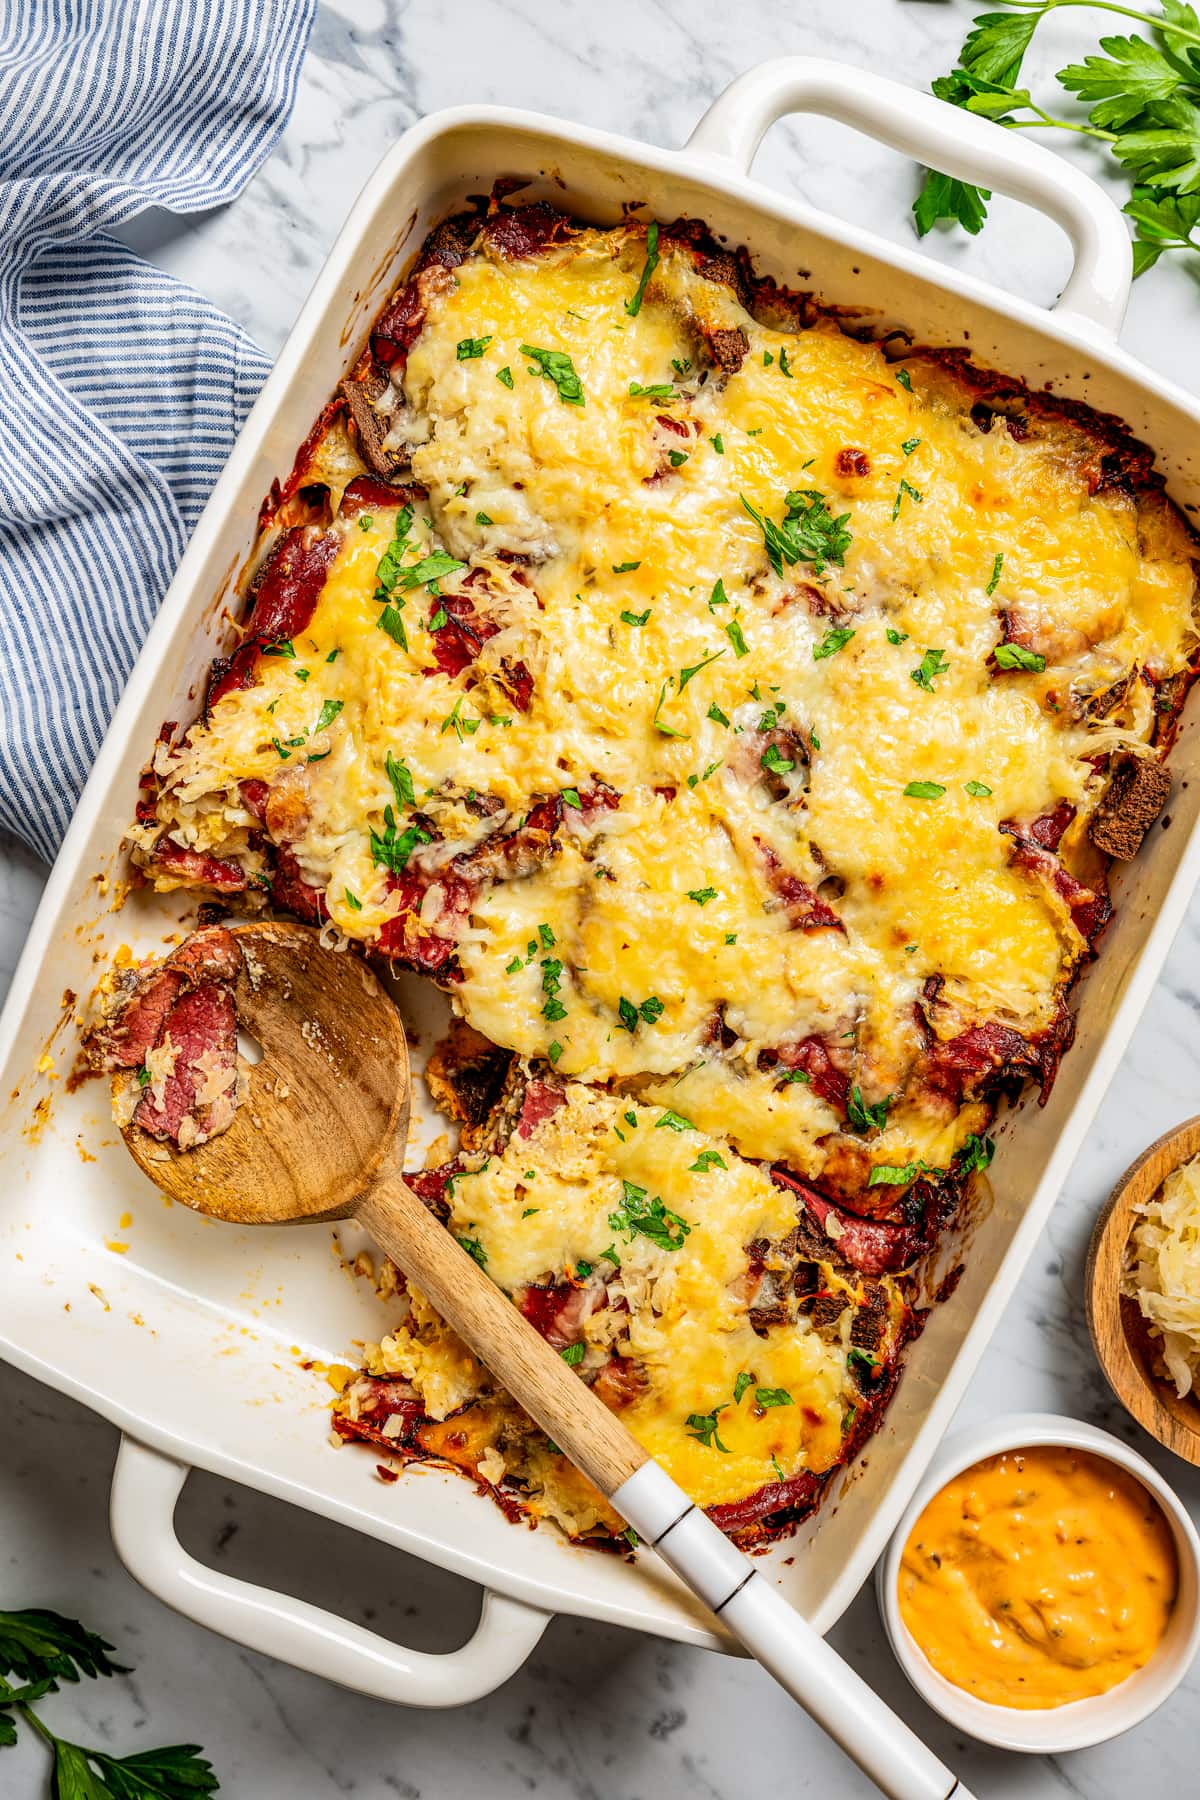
pixel 1039 1577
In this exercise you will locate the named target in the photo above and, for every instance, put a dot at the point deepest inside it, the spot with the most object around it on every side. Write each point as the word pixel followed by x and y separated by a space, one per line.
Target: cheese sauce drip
pixel 828 727
pixel 1039 1577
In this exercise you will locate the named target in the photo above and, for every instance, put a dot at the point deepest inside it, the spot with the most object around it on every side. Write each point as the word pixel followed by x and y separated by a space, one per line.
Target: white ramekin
pixel 1083 1722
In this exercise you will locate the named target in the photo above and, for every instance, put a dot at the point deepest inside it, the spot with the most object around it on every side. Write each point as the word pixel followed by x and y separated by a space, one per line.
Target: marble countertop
pixel 598 1714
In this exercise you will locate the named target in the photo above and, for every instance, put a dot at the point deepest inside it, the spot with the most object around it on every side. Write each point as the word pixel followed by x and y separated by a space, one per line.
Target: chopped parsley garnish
pixel 835 638
pixel 144 1077
pixel 740 1385
pixel 352 901
pixel 681 367
pixel 718 597
pixel 703 1427
pixel 556 366
pixel 718 443
pixel 913 493
pixel 469 348
pixel 286 648
pixel 796 1075
pixel 390 621
pixel 862 1361
pixel 896 637
pixel 553 1010
pixel 708 1159
pixel 661 724
pixel 924 790
pixel 731 937
pixel 481 518
pixel 898 1174
pixel 773 760
pixel 573 1353
pixel 768 359
pixel 392 847
pixel 783 363
pixel 1016 656
pixel 640 1216
pixel 546 936
pixel 634 304
pixel 505 375
pixel 677 458
pixel 474 1248
pixel 932 664
pixel 514 967
pixel 441 617
pixel 366 520
pixel 685 675
pixel 333 655
pixel 975 1152
pixel 864 1117
pixel 978 790
pixel 555 1051
pixel 571 798
pixel 631 1012
pixel 658 390
pixel 624 568
pixel 903 377
pixel 997 565
pixel 702 896
pixel 632 618
pixel 430 568
pixel 673 1121
pixel 401 779
pixel 462 728
pixel 808 532
pixel 388 571
pixel 909 445
pixel 773 1397
pixel 716 715
pixel 733 631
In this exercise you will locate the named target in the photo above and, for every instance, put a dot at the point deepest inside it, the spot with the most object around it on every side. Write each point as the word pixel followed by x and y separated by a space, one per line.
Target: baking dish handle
pixel 956 142
pixel 146 1486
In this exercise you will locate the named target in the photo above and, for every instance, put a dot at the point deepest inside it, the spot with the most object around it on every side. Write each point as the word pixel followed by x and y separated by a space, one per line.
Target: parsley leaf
pixel 632 618
pixel 505 375
pixel 1016 656
pixel 390 621
pixel 36 1644
pixel 647 1012
pixel 703 1427
pixel 469 348
pixel 913 493
pixel 401 779
pixel 659 390
pixel 978 790
pixel 392 847
pixel 733 631
pixel 924 790
pixel 808 532
pixel 673 1121
pixel 702 896
pixel 685 675
pixel 834 640
pixel 773 1397
pixel 430 568
pixel 624 568
pixel 573 1354
pixel 328 714
pixel 897 1174
pixel 775 762
pixel 997 565
pixel 633 306
pixel 975 1152
pixel 740 1385
pixel 638 1215
pixel 707 1159
pixel 933 663
pixel 1161 222
pixel 556 366
pixel 1131 78
pixel 863 1117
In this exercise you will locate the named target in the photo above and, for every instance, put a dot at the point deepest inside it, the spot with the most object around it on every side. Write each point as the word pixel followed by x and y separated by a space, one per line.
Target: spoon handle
pixel 644 1494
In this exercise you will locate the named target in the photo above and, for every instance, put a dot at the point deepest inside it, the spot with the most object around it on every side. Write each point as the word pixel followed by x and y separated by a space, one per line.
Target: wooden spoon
pixel 320 1135
pixel 1123 1341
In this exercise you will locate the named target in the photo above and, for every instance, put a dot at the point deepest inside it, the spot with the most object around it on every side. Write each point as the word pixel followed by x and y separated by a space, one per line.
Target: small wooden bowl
pixel 1123 1343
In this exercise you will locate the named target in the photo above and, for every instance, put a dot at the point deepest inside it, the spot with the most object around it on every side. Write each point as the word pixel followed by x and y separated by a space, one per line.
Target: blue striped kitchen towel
pixel 121 390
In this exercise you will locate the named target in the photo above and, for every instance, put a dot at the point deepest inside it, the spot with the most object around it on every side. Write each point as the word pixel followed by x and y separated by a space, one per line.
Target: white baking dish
pixel 191 1340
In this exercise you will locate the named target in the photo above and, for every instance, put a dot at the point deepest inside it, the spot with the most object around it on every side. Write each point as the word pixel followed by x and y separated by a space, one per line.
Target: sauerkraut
pixel 1162 1272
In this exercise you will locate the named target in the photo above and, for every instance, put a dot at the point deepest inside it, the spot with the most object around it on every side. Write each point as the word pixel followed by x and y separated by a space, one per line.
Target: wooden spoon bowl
pixel 1123 1343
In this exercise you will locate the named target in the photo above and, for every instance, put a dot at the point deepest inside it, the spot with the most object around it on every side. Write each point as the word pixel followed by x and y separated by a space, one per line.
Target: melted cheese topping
pixel 664 651
pixel 676 1307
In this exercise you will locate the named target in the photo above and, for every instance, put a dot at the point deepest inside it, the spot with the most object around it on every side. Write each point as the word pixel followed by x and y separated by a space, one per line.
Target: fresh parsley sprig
pixel 41 1648
pixel 1142 99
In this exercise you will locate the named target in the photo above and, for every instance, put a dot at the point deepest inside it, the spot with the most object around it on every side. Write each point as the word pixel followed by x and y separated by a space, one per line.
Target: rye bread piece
pixel 359 390
pixel 1136 794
